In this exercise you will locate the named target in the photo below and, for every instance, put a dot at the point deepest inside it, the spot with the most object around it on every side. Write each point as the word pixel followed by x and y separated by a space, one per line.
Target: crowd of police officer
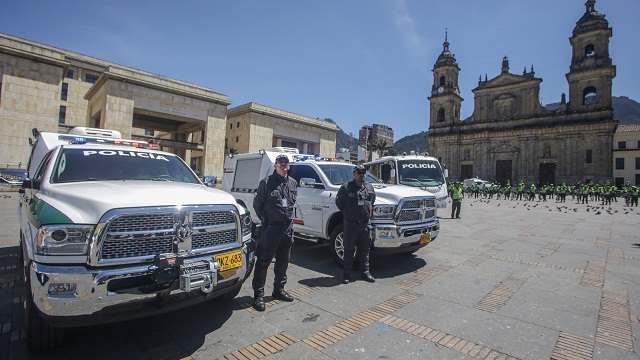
pixel 581 193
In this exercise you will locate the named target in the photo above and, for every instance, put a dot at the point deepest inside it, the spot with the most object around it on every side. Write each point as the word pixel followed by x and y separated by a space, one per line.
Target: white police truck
pixel 404 218
pixel 112 229
pixel 421 171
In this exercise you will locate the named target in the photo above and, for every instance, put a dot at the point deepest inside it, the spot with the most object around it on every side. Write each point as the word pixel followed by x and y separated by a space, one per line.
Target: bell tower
pixel 591 73
pixel 445 100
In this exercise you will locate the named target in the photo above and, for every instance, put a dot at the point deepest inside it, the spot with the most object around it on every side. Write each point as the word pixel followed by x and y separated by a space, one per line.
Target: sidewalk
pixel 510 280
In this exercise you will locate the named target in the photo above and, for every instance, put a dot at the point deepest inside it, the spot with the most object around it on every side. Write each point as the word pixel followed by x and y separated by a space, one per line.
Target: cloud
pixel 408 31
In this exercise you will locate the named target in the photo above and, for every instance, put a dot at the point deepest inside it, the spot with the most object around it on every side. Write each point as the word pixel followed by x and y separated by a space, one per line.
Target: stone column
pixel 215 131
pixel 118 115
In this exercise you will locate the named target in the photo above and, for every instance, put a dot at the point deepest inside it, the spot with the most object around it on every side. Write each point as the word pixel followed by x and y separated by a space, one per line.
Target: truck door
pixel 309 216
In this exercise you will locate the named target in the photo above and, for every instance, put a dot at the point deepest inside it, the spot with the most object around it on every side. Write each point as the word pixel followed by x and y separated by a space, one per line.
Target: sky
pixel 358 62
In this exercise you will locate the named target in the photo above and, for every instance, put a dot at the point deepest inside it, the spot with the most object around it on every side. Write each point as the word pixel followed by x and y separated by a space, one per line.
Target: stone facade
pixel 251 127
pixel 626 155
pixel 53 90
pixel 511 136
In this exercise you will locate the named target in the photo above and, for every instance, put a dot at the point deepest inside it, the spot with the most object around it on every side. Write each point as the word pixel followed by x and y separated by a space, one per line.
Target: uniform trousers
pixel 356 238
pixel 275 241
pixel 455 208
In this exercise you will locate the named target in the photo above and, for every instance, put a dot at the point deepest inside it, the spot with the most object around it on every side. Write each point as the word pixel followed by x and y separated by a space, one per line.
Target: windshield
pixel 98 165
pixel 418 172
pixel 341 173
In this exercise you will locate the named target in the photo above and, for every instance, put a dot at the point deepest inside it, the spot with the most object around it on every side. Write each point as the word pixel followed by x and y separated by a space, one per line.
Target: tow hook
pixel 207 284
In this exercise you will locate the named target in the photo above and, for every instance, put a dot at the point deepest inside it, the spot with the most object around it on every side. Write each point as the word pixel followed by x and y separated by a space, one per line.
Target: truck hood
pixel 86 202
pixel 386 194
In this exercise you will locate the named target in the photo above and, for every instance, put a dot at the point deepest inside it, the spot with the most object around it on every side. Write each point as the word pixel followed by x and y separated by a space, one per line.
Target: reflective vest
pixel 456 194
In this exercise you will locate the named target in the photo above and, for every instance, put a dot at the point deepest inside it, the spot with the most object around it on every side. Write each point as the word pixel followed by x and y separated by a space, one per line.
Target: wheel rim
pixel 339 246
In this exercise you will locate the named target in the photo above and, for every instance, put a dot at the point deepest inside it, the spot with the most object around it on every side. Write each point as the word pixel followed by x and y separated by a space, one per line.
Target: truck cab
pixel 114 229
pixel 404 218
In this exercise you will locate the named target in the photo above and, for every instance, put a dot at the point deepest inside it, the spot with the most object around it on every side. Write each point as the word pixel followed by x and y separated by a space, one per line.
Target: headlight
pixel 63 239
pixel 383 212
pixel 245 223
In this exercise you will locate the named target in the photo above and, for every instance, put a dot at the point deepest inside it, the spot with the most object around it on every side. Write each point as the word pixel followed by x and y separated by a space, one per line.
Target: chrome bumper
pixel 393 236
pixel 93 293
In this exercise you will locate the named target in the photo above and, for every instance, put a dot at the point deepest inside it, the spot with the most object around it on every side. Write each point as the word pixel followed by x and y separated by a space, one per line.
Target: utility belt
pixel 269 222
pixel 358 222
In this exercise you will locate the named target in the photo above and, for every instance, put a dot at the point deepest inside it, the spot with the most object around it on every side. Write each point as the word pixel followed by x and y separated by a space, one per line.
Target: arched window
pixel 589 50
pixel 589 96
pixel 441 114
pixel 442 80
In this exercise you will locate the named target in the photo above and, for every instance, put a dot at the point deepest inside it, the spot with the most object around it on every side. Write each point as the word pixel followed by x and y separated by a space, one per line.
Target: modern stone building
pixel 53 90
pixel 626 155
pixel 511 136
pixel 251 127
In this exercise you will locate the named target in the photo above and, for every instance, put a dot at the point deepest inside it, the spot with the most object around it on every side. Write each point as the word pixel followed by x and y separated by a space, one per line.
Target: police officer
pixel 456 200
pixel 355 200
pixel 274 204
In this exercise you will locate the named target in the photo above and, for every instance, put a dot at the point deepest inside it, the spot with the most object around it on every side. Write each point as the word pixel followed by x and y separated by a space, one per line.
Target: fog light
pixel 62 289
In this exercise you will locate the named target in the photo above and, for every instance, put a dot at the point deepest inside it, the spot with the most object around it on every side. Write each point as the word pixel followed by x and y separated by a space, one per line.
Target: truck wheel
pixel 337 244
pixel 40 335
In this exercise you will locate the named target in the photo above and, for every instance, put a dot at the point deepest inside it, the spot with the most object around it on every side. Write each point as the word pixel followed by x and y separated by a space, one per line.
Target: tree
pixel 381 147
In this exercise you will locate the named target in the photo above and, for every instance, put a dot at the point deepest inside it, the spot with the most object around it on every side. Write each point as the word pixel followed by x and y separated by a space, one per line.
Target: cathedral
pixel 511 136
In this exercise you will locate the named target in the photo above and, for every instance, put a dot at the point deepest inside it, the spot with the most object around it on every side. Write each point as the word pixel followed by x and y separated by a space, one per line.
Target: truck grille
pixel 131 235
pixel 416 210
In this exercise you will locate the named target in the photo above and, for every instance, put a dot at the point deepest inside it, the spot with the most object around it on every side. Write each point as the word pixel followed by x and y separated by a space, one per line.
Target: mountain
pixel 625 110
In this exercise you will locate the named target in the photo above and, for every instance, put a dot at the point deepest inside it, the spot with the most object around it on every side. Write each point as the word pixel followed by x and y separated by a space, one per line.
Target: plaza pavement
pixel 510 280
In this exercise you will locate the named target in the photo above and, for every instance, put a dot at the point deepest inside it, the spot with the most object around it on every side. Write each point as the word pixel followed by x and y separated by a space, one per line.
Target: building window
pixel 589 50
pixel 637 179
pixel 589 96
pixel 440 115
pixel 619 163
pixel 238 124
pixel 289 144
pixel 589 159
pixel 65 90
pixel 62 115
pixel 69 74
pixel 231 126
pixel 91 78
pixel 622 144
pixel 638 163
pixel 638 147
pixel 148 132
pixel 237 139
pixel 442 80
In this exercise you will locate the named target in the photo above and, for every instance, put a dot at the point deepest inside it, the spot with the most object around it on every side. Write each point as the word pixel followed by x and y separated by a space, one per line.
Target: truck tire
pixel 337 244
pixel 40 335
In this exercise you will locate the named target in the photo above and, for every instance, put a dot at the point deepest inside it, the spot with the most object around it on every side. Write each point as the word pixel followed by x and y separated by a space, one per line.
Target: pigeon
pixel 598 213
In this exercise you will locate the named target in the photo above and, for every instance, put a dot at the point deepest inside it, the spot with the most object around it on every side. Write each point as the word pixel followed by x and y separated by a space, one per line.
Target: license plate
pixel 230 260
pixel 425 239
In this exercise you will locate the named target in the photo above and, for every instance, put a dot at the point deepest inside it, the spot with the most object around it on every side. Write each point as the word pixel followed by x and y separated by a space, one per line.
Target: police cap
pixel 359 168
pixel 282 158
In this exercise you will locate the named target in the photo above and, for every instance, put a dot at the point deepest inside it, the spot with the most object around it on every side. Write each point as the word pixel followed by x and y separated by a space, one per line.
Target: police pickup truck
pixel 113 229
pixel 404 218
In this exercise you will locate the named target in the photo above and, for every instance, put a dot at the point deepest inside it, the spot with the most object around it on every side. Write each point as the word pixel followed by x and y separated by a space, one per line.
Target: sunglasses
pixel 361 172
pixel 283 162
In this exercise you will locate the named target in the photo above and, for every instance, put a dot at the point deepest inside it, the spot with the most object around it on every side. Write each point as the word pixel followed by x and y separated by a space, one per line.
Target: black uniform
pixel 356 204
pixel 274 204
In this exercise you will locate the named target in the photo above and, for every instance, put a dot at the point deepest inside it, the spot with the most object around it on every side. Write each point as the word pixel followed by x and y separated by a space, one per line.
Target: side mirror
pixel 31 184
pixel 310 183
pixel 392 173
pixel 446 173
